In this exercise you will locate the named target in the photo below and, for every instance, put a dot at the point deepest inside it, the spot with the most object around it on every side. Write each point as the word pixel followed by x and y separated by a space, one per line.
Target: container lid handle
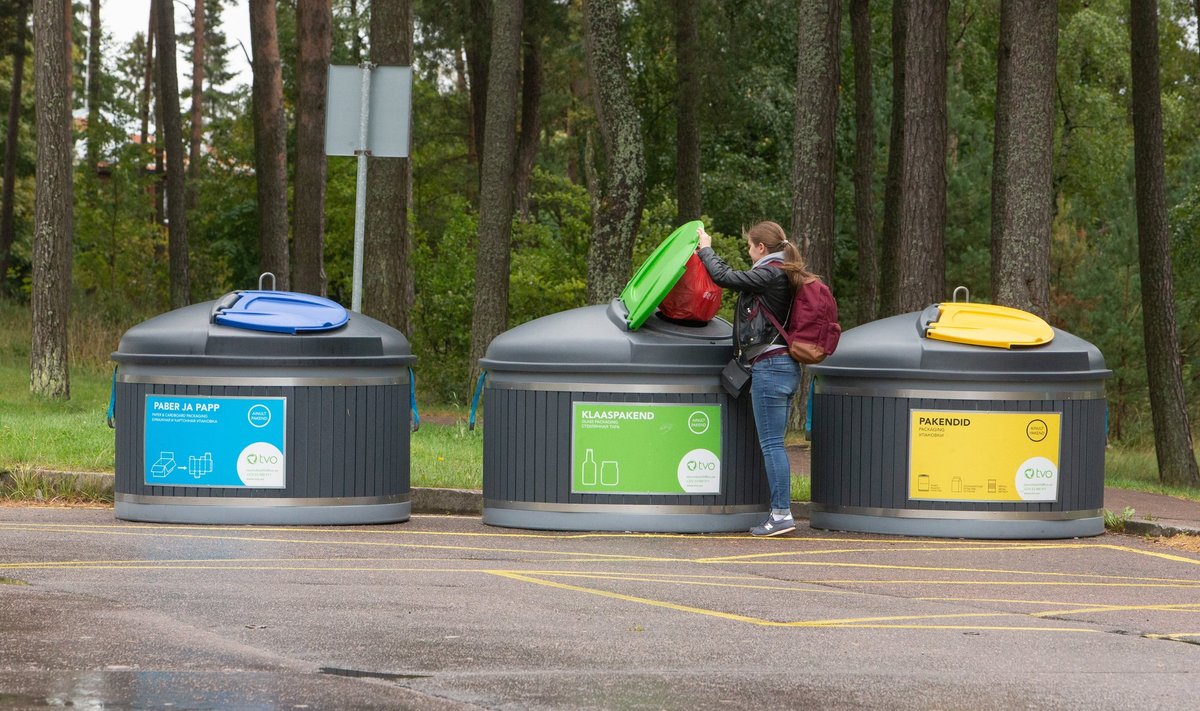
pixel 264 275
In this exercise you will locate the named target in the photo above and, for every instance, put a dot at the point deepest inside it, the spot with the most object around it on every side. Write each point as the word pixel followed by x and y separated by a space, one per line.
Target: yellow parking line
pixel 701 583
pixel 630 598
pixel 942 549
pixel 1152 554
pixel 1058 603
pixel 385 544
pixel 862 623
pixel 940 569
pixel 1175 636
pixel 1169 607
pixel 1029 583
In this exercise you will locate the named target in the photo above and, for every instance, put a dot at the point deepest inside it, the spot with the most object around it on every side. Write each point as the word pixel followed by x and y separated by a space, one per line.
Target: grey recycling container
pixel 589 425
pixel 263 407
pixel 967 434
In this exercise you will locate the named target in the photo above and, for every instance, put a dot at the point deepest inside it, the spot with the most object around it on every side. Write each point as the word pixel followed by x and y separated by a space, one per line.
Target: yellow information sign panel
pixel 983 456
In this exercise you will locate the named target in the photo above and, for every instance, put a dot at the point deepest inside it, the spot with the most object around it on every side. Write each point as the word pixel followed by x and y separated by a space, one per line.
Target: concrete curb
pixel 1163 529
pixel 458 502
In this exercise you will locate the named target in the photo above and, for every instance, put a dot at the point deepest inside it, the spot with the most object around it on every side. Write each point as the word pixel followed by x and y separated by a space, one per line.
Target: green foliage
pixel 1115 522
pixel 442 313
pixel 549 256
pixel 447 456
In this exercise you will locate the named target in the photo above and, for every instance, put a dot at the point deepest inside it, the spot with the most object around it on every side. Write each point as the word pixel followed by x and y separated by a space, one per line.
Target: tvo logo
pixel 699 472
pixel 1035 473
pixel 255 458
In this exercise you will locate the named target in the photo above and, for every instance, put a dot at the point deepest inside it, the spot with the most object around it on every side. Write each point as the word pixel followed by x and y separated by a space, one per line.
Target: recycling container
pixel 611 417
pixel 963 420
pixel 263 407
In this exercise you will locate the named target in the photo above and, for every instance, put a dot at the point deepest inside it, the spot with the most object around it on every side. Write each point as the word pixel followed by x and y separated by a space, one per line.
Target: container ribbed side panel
pixel 527 448
pixel 340 441
pixel 860 452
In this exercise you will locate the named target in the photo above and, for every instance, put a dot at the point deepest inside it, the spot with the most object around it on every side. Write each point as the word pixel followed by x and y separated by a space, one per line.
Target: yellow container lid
pixel 988 325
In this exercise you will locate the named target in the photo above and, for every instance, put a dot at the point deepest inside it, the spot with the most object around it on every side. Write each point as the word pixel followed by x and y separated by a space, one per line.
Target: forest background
pixel 744 97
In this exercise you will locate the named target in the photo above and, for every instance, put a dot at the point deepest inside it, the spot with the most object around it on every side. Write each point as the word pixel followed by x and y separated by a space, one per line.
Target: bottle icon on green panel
pixel 588 477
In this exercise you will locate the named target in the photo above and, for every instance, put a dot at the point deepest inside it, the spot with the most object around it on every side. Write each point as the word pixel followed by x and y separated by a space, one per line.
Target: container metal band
pixel 959 513
pixel 262 502
pixel 914 394
pixel 624 508
pixel 606 387
pixel 267 380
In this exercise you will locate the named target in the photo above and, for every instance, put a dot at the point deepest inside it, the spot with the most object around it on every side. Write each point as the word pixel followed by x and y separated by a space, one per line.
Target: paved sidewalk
pixel 1154 514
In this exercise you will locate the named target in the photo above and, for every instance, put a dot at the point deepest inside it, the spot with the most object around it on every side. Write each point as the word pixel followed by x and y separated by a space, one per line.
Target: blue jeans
pixel 772 386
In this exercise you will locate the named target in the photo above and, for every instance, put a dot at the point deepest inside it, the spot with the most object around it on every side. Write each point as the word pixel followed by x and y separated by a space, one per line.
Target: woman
pixel 770 284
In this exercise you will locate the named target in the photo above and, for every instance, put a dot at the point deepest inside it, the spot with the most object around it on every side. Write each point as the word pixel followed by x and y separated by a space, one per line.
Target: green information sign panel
pixel 643 448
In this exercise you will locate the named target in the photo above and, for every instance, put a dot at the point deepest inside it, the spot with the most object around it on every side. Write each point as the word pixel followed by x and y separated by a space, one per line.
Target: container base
pixel 642 519
pixel 965 524
pixel 268 512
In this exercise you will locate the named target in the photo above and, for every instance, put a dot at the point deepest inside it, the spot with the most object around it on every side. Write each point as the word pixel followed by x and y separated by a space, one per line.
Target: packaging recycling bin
pixel 263 407
pixel 963 420
pixel 611 417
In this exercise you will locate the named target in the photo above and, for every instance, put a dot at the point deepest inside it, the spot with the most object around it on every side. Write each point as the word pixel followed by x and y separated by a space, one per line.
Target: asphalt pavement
pixel 444 612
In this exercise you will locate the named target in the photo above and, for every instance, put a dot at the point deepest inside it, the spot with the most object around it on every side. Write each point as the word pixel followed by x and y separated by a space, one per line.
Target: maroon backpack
pixel 813 330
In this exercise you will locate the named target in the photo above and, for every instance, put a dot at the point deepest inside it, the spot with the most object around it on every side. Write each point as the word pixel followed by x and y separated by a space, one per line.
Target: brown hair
pixel 771 235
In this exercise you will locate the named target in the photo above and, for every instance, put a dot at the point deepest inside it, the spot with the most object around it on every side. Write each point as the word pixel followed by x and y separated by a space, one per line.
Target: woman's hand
pixel 705 238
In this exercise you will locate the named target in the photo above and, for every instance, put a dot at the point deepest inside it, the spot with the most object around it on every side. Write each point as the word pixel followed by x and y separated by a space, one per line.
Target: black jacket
pixel 767 285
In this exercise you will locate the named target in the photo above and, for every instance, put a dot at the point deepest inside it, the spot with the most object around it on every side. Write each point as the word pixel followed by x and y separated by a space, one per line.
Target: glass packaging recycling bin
pixel 263 407
pixel 610 417
pixel 964 421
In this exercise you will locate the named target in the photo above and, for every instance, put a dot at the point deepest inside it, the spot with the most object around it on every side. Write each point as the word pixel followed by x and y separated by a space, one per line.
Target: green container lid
pixel 658 274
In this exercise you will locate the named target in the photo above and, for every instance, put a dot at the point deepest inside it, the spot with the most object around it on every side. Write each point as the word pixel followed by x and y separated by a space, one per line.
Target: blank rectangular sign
pixel 390 117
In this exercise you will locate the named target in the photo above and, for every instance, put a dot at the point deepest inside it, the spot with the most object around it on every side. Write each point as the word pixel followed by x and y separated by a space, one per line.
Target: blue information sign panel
pixel 216 441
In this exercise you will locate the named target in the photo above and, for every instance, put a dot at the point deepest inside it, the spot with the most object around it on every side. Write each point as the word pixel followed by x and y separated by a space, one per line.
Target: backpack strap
pixel 774 321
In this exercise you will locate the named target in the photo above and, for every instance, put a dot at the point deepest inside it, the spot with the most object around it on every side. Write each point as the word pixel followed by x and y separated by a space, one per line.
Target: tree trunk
pixel 388 271
pixel 813 182
pixel 93 88
pixel 148 78
pixel 270 143
pixel 687 97
pixel 479 15
pixel 356 42
pixel 920 240
pixel 12 134
pixel 52 231
pixel 1022 174
pixel 615 223
pixel 531 115
pixel 160 132
pixel 172 145
pixel 1168 403
pixel 490 315
pixel 197 127
pixel 889 264
pixel 314 42
pixel 864 162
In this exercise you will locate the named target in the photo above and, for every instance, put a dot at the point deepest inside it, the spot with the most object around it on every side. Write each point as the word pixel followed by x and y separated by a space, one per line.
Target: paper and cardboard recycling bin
pixel 611 417
pixel 963 420
pixel 263 407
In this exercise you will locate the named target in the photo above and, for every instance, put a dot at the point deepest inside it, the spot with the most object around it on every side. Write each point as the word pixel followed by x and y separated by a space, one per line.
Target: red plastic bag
pixel 695 297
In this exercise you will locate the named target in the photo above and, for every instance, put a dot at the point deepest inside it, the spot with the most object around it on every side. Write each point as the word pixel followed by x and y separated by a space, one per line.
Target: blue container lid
pixel 278 312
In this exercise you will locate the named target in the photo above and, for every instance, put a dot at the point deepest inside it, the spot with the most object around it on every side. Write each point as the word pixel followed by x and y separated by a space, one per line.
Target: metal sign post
pixel 360 187
pixel 355 96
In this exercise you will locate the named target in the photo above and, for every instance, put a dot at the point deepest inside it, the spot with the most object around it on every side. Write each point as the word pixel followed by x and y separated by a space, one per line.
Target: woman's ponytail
pixel 772 236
